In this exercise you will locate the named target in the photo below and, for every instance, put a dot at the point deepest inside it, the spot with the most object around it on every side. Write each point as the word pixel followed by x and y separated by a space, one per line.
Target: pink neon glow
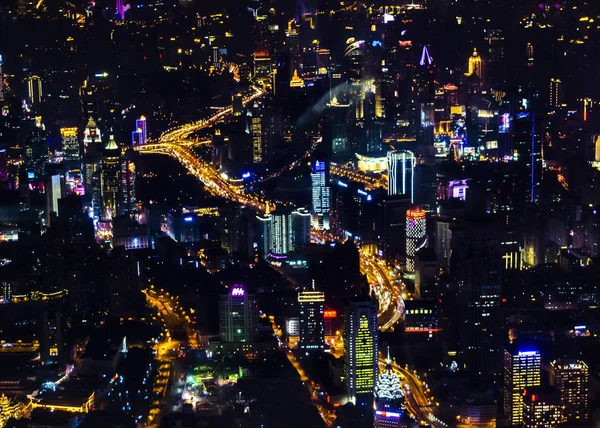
pixel 237 291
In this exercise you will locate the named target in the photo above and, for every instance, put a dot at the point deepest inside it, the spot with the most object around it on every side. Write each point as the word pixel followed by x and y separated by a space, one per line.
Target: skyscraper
pixel 401 173
pixel 476 259
pixel 70 144
pixel 416 235
pixel 361 349
pixel 140 124
pixel 255 129
pixel 109 180
pixel 92 138
pixel 281 232
pixel 571 379
pixel 300 228
pixel 128 183
pixel 475 66
pixel 555 97
pixel 320 194
pixel 394 235
pixel 522 369
pixel 34 90
pixel 311 321
pixel 238 317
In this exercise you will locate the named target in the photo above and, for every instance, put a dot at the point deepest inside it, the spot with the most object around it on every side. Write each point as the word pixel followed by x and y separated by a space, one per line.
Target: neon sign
pixel 237 291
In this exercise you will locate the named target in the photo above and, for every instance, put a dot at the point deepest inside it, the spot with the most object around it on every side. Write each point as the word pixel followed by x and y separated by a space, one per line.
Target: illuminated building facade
pixel 281 232
pixel 401 173
pixel 34 90
pixel 361 349
pixel 141 127
pixel 110 180
pixel 311 305
pixel 238 316
pixel 92 138
pixel 255 129
pixel 522 370
pixel 388 398
pixel 542 408
pixel 320 195
pixel 475 66
pixel 372 163
pixel 416 235
pixel 128 183
pixel 571 379
pixel 555 97
pixel 70 144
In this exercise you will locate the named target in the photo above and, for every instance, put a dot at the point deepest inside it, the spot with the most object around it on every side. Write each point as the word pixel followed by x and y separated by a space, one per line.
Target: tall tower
pixel 320 194
pixel 475 66
pixel 238 318
pixel 571 379
pixel 522 369
pixel 140 125
pixel 476 259
pixel 70 145
pixel 555 97
pixel 416 235
pixel 361 349
pixel 109 180
pixel 311 321
pixel 92 139
pixel 34 90
pixel 401 173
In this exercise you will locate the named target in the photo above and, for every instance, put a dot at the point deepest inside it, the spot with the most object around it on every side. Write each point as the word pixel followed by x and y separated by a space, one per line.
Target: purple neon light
pixel 238 291
pixel 425 57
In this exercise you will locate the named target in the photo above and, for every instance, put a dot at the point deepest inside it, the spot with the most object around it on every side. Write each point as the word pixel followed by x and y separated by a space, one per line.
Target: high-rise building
pixel 128 183
pixel 401 173
pixel 476 260
pixel 301 219
pixel 361 349
pixel 238 316
pixel 281 232
pixel 140 125
pixel 542 408
pixel 320 195
pixel 312 305
pixel 394 235
pixel 522 370
pixel 55 190
pixel 255 128
pixel 237 104
pixel 70 144
pixel 34 90
pixel 110 180
pixel 475 66
pixel 92 138
pixel 571 379
pixel 389 398
pixel 35 146
pixel 416 235
pixel 555 97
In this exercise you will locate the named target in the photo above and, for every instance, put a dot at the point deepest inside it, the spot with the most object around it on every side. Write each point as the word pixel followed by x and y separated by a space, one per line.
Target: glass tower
pixel 401 173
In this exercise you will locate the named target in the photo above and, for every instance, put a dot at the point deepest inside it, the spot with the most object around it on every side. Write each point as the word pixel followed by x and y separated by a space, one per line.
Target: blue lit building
pixel 320 195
